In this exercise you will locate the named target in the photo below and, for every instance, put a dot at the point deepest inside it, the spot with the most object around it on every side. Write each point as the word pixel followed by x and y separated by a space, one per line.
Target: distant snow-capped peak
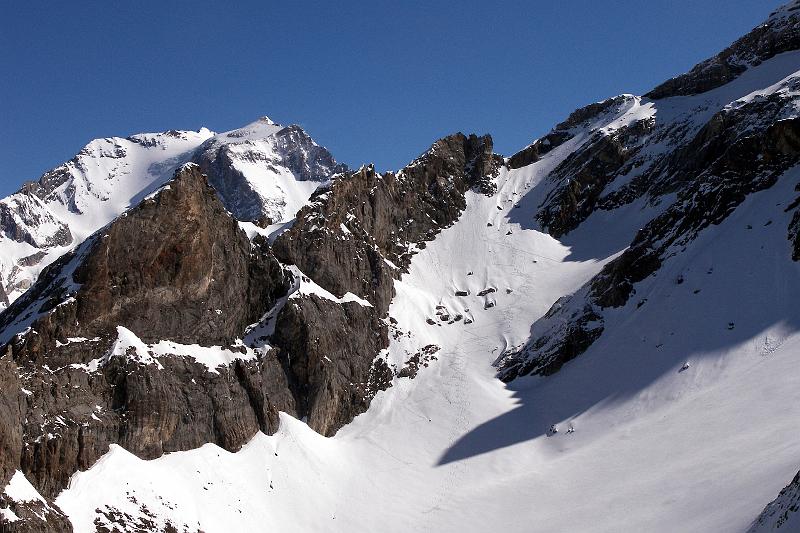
pixel 262 171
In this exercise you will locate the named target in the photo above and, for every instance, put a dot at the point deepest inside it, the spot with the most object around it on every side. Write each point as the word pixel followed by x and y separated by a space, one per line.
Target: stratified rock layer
pixel 176 267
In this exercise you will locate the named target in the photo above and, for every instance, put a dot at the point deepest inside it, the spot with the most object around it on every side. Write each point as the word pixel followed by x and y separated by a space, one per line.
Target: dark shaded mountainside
pixel 101 349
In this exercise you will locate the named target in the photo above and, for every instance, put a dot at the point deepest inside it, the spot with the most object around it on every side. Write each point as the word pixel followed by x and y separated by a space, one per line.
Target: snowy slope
pixel 653 448
pixel 781 514
pixel 265 169
pixel 275 167
pixel 77 198
pixel 679 415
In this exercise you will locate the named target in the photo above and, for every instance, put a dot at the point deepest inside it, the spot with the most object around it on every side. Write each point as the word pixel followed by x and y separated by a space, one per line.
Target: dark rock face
pixel 781 33
pixel 230 184
pixel 176 267
pixel 782 513
pixel 33 517
pixel 355 237
pixel 552 348
pixel 383 215
pixel 579 182
pixel 585 175
pixel 71 416
pixel 746 165
pixel 329 351
pixel 418 361
pixel 743 149
pixel 584 114
pixel 540 147
pixel 128 281
pixel 794 226
pixel 163 259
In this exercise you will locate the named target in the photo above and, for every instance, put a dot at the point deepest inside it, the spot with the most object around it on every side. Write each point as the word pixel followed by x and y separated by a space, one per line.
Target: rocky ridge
pixel 169 328
pixel 103 348
pixel 263 172
pixel 781 513
pixel 691 170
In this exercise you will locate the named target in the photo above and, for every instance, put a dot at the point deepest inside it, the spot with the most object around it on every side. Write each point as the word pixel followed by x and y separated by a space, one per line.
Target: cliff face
pixel 357 236
pixel 170 328
pixel 691 161
pixel 259 279
pixel 263 172
pixel 90 367
pixel 780 33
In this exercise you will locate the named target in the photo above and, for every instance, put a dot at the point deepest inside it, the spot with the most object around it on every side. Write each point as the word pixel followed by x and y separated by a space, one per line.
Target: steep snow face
pixel 132 348
pixel 781 514
pixel 675 410
pixel 46 219
pixel 680 416
pixel 263 486
pixel 265 170
pixel 688 171
pixel 673 446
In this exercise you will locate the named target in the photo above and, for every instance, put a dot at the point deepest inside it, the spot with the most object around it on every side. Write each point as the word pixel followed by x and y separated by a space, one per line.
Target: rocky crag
pixel 103 347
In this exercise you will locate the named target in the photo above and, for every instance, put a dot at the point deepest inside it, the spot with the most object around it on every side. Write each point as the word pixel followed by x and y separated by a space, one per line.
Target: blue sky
pixel 373 81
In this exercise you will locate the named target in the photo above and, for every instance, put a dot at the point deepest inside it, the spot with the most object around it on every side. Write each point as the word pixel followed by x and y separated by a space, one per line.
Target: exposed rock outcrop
pixel 330 351
pixel 585 174
pixel 357 236
pixel 780 33
pixel 742 149
pixel 177 268
pixel 103 348
pixel 782 513
pixel 533 152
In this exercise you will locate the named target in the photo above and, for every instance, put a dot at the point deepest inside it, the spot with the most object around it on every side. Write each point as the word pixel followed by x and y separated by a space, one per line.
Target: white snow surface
pixel 254 152
pixel 20 489
pixel 129 345
pixel 107 177
pixel 681 417
pixel 111 175
pixel 304 286
pixel 641 446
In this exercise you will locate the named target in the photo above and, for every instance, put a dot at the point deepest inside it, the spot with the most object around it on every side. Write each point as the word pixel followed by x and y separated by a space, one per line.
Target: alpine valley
pixel 220 332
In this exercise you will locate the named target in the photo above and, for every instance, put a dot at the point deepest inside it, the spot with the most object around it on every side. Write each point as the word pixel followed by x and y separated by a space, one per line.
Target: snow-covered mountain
pixel 259 339
pixel 263 172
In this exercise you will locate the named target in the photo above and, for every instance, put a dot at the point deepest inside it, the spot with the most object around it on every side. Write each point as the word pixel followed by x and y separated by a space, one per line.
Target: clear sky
pixel 374 81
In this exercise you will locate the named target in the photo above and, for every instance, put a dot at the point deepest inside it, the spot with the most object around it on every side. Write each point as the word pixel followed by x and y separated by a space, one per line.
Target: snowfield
pixel 642 443
pixel 682 416
pixel 109 176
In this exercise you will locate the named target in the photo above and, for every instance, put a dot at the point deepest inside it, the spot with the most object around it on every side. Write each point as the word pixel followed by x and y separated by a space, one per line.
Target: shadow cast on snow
pixel 641 345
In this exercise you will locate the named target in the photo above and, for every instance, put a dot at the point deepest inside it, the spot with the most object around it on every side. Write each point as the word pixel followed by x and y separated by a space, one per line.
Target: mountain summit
pixel 234 332
pixel 263 172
